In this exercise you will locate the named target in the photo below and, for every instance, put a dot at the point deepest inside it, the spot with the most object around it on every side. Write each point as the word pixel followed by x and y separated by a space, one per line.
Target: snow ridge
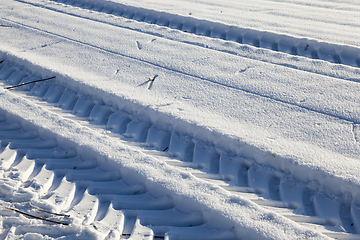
pixel 339 54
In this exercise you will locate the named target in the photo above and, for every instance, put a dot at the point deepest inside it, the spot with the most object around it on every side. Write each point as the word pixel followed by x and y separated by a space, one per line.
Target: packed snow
pixel 278 96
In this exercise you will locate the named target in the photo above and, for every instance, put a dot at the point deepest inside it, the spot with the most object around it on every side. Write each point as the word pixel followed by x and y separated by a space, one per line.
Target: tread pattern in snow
pixel 87 193
pixel 339 54
pixel 309 202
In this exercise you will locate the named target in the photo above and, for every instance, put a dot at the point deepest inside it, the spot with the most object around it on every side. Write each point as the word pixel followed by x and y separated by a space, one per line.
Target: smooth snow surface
pixel 180 120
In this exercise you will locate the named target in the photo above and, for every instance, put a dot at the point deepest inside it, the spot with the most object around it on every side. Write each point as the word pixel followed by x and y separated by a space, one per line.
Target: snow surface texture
pixel 278 42
pixel 255 123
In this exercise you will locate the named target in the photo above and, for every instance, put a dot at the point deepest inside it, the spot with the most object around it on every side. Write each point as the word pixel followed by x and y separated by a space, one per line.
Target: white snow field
pixel 179 119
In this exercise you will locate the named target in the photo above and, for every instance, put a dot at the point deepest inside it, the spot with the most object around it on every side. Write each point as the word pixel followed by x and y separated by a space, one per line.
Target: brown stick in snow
pixel 29 215
pixel 22 84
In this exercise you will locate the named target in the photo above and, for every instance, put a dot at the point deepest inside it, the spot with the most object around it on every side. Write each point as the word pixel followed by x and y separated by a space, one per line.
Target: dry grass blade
pixel 33 216
pixel 22 84
pixel 52 213
pixel 56 214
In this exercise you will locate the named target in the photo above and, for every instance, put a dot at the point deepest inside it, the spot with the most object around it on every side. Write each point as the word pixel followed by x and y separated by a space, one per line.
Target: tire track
pixel 237 52
pixel 89 194
pixel 302 47
pixel 330 112
pixel 43 164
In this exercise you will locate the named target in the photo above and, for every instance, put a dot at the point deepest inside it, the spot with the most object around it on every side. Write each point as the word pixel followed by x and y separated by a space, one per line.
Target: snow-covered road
pixel 189 124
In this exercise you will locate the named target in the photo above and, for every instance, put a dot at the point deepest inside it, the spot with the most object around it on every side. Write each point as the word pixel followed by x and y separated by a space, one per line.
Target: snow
pixel 291 113
pixel 328 21
pixel 153 170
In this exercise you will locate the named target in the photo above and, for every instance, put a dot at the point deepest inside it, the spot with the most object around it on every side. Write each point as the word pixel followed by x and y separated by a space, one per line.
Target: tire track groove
pixel 79 180
pixel 113 207
pixel 276 42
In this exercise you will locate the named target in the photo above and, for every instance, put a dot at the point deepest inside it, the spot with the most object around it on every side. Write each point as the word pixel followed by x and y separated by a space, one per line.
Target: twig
pixel 22 84
pixel 126 235
pixel 56 214
pixel 29 215
pixel 153 78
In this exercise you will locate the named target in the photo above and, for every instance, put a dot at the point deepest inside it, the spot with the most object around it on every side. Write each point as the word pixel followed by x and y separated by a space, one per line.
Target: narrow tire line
pixel 353 121
pixel 285 65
